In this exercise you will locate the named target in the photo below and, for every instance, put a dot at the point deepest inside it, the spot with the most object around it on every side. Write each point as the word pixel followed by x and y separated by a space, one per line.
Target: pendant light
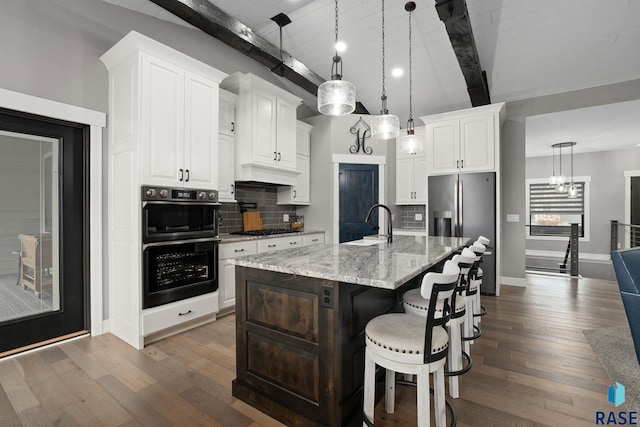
pixel 561 187
pixel 553 179
pixel 572 190
pixel 336 97
pixel 410 143
pixel 384 126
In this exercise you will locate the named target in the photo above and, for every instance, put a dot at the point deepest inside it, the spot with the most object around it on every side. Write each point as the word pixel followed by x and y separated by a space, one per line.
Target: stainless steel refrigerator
pixel 464 205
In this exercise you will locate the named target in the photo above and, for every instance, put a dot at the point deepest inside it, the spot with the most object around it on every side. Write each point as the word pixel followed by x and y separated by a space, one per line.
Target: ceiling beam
pixel 215 22
pixel 455 16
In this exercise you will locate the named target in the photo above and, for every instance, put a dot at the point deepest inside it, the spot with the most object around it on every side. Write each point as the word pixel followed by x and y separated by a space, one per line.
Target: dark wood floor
pixel 531 367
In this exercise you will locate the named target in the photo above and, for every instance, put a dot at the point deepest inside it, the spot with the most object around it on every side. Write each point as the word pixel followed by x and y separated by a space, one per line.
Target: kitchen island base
pixel 300 344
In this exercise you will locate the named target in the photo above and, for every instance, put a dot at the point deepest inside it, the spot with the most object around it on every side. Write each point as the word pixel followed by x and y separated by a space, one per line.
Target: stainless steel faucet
pixel 389 225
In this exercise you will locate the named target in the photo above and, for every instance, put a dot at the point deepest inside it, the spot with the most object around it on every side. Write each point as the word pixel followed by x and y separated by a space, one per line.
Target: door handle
pixel 462 163
pixel 233 127
pixel 181 175
pixel 187 180
pixel 275 156
pixel 232 188
pixel 279 157
pixel 294 194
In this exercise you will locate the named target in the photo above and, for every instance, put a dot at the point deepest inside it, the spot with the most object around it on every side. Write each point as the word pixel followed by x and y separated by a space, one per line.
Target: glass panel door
pixel 29 225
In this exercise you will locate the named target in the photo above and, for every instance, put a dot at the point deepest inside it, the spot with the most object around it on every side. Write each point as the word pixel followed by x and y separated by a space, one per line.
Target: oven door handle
pixel 181 242
pixel 180 203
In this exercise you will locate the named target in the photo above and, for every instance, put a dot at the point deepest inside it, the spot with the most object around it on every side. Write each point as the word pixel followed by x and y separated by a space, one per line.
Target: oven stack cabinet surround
pixel 163 121
pixel 300 358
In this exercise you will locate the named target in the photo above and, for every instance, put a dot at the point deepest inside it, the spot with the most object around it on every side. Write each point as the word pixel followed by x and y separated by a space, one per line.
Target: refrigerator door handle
pixel 455 207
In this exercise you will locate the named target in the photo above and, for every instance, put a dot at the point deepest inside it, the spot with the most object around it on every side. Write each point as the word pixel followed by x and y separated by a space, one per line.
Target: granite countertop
pixel 231 238
pixel 364 262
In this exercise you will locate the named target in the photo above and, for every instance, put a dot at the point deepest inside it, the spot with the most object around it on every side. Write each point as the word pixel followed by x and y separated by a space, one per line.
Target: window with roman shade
pixel 551 213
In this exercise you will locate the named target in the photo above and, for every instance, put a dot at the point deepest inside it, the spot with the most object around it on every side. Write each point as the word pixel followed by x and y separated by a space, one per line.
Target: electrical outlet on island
pixel 285 218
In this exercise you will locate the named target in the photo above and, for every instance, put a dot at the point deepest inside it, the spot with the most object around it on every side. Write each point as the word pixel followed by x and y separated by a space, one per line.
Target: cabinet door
pixel 162 122
pixel 404 184
pixel 263 112
pixel 227 283
pixel 301 190
pixel 420 180
pixel 226 168
pixel 286 135
pixel 226 113
pixel 201 133
pixel 445 146
pixel 477 143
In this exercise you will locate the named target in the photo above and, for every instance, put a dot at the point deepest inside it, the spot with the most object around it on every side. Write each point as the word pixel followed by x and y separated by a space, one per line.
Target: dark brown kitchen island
pixel 300 318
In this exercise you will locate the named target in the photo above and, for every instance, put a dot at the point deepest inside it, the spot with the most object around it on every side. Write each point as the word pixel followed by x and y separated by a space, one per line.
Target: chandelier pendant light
pixel 336 97
pixel 553 179
pixel 410 143
pixel 560 180
pixel 572 190
pixel 384 126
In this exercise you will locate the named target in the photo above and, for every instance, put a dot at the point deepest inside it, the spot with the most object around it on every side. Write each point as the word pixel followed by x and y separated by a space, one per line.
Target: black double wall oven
pixel 179 244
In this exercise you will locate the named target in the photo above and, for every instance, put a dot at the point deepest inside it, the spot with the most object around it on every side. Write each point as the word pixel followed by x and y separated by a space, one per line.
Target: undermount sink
pixel 381 237
pixel 365 242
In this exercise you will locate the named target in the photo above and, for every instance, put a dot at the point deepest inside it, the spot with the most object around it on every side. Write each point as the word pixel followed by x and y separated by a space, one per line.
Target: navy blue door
pixel 358 192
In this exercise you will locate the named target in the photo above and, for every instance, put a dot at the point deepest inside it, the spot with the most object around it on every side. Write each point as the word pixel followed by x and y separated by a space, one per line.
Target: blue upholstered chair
pixel 626 264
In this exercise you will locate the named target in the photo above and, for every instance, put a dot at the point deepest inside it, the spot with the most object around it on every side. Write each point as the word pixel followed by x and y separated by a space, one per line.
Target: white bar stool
pixel 472 331
pixel 480 310
pixel 414 303
pixel 415 345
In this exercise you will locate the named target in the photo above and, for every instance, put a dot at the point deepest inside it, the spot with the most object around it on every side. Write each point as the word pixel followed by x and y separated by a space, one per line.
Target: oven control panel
pixel 178 194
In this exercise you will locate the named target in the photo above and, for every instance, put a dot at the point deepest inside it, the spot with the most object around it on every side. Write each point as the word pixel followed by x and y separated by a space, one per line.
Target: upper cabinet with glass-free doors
pixel 166 104
pixel 465 140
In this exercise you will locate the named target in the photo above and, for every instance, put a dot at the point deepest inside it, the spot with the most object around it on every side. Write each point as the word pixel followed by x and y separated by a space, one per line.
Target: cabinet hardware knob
pixel 181 175
pixel 457 163
pixel 232 188
pixel 279 156
pixel 271 246
pixel 187 170
pixel 185 313
pixel 238 250
pixel 294 194
pixel 462 163
pixel 293 243
pixel 275 155
pixel 314 240
pixel 233 127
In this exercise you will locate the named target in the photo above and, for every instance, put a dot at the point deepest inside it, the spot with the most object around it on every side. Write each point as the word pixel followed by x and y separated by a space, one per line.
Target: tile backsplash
pixel 265 198
pixel 408 216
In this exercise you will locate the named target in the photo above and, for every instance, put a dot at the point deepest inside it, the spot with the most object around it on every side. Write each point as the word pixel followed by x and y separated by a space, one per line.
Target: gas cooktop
pixel 265 232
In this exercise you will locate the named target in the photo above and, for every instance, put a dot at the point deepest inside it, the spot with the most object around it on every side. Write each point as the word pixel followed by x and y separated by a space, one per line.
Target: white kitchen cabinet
pixel 299 194
pixel 280 243
pixel 463 141
pixel 313 239
pixel 179 126
pixel 163 126
pixel 265 130
pixel 226 148
pixel 227 270
pixel 411 179
pixel 229 251
pixel 227 113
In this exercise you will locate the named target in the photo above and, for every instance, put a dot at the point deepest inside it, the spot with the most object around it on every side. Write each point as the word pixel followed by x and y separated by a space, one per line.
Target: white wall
pixel 329 136
pixel 513 158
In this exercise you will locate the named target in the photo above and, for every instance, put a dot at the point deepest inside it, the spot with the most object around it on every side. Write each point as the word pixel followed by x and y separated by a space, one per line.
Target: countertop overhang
pixel 382 265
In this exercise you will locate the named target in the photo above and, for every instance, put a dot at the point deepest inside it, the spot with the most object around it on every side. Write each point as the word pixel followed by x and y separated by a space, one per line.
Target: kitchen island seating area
pixel 414 345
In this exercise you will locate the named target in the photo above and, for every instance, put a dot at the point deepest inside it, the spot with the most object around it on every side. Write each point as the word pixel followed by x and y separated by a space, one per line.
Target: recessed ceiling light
pixel 397 72
pixel 341 47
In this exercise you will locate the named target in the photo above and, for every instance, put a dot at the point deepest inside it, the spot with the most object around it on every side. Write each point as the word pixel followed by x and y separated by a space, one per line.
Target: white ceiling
pixel 602 128
pixel 528 48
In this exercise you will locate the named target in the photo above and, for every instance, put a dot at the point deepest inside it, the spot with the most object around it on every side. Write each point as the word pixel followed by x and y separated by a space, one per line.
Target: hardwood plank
pixel 101 405
pixel 135 405
pixel 532 366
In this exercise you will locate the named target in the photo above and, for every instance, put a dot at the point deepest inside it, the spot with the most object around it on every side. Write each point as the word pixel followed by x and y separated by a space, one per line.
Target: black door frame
pixel 75 308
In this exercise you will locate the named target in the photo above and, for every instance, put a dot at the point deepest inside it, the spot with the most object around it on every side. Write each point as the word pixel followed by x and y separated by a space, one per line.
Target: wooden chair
pixel 415 345
pixel 36 263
